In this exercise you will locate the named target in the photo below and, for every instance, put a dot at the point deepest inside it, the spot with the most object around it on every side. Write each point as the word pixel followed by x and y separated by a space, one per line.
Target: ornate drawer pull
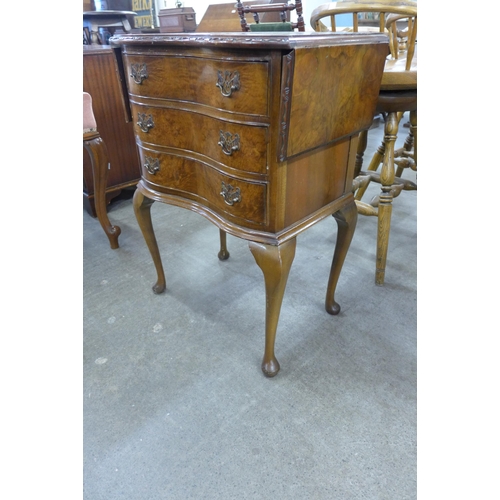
pixel 152 165
pixel 145 122
pixel 227 82
pixel 229 142
pixel 139 73
pixel 230 194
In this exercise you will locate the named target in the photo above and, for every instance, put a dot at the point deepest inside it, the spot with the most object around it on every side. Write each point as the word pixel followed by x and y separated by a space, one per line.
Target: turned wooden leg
pixel 346 222
pixel 372 167
pixel 99 161
pixel 360 152
pixel 385 201
pixel 275 263
pixel 408 151
pixel 413 131
pixel 223 253
pixel 142 209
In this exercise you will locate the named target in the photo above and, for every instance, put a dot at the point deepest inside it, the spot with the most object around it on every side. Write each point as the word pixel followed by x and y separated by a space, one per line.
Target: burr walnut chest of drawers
pixel 256 132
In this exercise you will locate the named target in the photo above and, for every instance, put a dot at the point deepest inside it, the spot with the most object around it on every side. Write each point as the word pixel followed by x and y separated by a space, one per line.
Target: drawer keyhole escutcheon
pixel 228 81
pixel 152 165
pixel 139 72
pixel 230 194
pixel 229 142
pixel 145 122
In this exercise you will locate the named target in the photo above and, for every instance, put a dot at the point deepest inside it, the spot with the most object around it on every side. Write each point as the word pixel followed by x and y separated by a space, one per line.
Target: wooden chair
pixel 283 9
pixel 398 94
pixel 96 148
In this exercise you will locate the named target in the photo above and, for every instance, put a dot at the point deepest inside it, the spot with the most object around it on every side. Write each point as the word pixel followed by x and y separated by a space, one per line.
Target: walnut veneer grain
pixel 256 132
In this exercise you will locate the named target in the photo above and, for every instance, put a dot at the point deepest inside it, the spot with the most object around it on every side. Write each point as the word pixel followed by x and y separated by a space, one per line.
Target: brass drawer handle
pixel 145 122
pixel 229 142
pixel 139 72
pixel 228 81
pixel 230 194
pixel 152 165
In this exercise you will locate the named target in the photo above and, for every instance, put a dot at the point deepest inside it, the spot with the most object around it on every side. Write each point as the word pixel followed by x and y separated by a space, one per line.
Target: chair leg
pixel 99 160
pixel 405 157
pixel 360 152
pixel 385 204
pixel 374 164
pixel 413 131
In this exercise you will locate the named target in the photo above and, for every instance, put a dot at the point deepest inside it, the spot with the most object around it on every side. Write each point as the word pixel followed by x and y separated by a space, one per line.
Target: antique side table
pixel 257 133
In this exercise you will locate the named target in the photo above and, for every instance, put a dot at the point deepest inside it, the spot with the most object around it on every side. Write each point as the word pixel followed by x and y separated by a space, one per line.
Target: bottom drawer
pixel 240 199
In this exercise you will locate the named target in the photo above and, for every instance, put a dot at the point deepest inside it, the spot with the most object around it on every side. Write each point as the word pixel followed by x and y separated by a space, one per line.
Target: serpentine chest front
pixel 256 133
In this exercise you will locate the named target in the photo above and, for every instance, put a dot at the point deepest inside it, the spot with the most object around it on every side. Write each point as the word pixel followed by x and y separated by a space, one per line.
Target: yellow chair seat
pixel 396 77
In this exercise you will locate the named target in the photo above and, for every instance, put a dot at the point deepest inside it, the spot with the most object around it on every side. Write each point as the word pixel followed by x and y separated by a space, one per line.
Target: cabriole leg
pixel 223 253
pixel 142 209
pixel 346 219
pixel 275 263
pixel 98 154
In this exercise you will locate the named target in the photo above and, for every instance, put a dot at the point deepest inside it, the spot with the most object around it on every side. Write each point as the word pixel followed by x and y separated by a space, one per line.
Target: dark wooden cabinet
pixel 101 79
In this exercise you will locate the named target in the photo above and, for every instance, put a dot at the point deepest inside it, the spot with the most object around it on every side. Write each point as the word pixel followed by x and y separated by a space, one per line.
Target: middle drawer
pixel 238 146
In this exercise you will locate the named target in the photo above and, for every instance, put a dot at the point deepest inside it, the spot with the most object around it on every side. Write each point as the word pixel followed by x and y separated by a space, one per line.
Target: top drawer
pixel 240 87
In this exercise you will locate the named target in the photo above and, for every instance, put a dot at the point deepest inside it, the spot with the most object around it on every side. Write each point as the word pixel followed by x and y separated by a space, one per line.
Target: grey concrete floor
pixel 175 404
